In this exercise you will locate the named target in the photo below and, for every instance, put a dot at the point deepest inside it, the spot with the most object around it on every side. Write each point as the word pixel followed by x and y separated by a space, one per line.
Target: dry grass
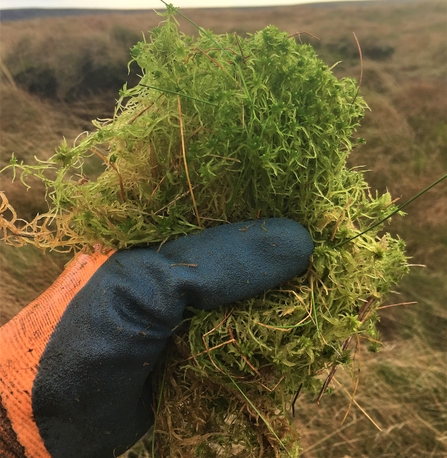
pixel 19 282
pixel 403 389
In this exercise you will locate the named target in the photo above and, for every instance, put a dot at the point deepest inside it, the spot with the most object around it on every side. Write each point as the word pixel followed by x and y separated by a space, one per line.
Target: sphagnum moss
pixel 222 129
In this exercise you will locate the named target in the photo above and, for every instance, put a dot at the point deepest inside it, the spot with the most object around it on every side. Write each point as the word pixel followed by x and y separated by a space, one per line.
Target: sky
pixel 146 4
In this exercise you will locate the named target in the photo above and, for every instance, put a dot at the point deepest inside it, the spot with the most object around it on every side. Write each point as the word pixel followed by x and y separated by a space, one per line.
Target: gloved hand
pixel 75 363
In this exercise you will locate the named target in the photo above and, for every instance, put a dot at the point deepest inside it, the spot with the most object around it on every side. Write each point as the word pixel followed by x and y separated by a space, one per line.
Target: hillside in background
pixel 59 73
pixel 21 14
pixel 24 14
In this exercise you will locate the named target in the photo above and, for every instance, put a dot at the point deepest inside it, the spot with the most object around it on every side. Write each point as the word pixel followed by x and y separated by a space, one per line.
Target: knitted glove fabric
pixel 75 364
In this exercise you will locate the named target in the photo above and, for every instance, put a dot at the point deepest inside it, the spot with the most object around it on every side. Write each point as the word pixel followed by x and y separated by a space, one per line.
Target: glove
pixel 75 364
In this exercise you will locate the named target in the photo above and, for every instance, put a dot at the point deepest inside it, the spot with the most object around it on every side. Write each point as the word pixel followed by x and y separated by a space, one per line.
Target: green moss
pixel 267 129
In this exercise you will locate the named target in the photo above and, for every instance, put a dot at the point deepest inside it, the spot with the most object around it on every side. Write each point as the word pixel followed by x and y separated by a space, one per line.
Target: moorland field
pixel 59 73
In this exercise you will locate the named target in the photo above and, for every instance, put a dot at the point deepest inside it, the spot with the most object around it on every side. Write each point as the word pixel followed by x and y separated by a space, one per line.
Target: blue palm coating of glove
pixel 91 396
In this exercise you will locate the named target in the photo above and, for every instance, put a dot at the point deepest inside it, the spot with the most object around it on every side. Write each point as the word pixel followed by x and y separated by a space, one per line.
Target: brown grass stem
pixel 396 305
pixel 185 162
pixel 238 348
pixel 361 67
pixel 144 110
pixel 304 32
pixel 358 405
pixel 113 166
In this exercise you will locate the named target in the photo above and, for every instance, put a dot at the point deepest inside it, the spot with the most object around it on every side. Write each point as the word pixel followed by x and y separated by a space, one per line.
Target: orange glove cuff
pixel 22 342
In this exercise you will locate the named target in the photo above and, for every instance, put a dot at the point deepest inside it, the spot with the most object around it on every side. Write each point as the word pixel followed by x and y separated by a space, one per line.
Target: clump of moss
pixel 222 129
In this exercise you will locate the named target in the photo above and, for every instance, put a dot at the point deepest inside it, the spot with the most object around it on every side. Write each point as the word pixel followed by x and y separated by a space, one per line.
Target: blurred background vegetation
pixel 59 73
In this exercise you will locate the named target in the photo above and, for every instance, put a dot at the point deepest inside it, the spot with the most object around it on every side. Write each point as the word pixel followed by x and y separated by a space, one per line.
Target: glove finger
pixel 233 262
